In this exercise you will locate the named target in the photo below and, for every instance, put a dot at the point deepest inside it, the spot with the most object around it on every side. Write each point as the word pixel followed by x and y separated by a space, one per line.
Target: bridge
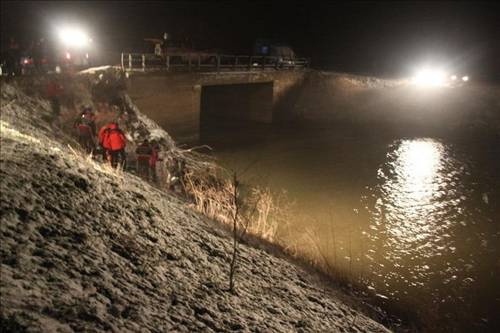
pixel 180 94
pixel 211 62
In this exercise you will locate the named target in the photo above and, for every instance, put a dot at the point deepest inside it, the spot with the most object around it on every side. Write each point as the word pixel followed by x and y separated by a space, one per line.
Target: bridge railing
pixel 207 62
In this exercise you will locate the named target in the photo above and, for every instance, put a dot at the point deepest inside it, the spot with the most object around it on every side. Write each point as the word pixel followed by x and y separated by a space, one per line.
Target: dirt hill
pixel 87 248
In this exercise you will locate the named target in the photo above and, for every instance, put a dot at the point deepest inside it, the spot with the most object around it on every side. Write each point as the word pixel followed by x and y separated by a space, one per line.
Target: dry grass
pixel 271 216
pixel 210 195
pixel 211 190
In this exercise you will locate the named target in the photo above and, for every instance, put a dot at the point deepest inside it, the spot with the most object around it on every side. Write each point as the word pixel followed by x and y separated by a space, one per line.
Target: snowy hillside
pixel 86 248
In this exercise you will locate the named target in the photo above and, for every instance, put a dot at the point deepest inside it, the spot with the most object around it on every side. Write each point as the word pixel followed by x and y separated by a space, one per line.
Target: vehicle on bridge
pixel 284 54
pixel 181 51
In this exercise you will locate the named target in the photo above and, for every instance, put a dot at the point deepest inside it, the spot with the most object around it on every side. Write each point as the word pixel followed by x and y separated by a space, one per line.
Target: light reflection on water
pixel 414 181
pixel 410 191
pixel 423 236
pixel 409 195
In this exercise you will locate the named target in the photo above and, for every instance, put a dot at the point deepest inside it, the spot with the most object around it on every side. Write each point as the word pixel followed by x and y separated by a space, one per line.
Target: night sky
pixel 387 38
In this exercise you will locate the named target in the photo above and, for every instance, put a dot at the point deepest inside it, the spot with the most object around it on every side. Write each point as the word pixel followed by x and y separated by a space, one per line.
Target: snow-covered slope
pixel 85 248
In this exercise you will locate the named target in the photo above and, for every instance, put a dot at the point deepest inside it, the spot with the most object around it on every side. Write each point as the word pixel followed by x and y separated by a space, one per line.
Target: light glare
pixel 430 77
pixel 74 37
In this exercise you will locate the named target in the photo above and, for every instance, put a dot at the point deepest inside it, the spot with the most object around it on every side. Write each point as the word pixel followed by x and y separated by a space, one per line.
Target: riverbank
pixel 87 248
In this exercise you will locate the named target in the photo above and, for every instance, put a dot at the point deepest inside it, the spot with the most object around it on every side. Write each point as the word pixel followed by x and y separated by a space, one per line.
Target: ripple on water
pixel 421 223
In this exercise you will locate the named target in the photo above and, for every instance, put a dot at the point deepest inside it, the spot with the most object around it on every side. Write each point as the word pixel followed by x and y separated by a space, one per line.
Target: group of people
pixel 111 142
pixel 33 58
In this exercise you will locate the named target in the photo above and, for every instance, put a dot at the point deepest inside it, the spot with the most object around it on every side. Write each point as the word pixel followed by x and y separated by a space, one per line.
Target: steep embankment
pixel 84 248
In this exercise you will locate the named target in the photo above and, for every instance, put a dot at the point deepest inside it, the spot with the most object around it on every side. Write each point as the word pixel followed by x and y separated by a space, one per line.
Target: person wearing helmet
pixel 85 125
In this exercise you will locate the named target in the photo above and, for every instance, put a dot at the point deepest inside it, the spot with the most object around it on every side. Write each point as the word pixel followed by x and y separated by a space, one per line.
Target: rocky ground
pixel 86 248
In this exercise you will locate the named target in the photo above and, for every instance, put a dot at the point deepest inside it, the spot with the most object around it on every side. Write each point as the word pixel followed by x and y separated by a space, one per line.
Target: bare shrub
pixel 219 197
pixel 238 231
pixel 318 251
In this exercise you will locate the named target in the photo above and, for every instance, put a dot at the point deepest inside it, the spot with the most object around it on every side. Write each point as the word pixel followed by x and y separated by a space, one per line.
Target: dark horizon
pixel 386 39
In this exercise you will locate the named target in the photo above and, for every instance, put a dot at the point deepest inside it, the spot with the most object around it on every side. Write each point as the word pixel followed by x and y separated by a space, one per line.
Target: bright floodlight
pixel 453 77
pixel 465 78
pixel 74 37
pixel 430 77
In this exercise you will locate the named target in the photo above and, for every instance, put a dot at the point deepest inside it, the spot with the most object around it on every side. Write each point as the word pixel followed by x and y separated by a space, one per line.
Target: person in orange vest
pixel 114 142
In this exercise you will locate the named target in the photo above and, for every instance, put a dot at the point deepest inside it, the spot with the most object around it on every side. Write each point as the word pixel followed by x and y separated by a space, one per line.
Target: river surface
pixel 414 219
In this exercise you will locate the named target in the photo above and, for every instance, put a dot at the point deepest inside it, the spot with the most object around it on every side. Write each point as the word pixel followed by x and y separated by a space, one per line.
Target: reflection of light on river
pixel 417 166
pixel 410 192
pixel 413 212
pixel 426 232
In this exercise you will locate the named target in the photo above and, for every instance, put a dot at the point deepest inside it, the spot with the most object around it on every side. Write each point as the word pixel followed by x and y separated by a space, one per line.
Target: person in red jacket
pixel 85 125
pixel 147 157
pixel 114 142
pixel 54 92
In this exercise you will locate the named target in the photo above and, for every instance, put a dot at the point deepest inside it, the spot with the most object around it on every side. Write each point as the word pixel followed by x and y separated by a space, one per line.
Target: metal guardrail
pixel 207 62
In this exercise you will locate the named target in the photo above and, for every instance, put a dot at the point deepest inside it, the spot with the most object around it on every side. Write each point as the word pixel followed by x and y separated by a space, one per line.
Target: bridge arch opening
pixel 226 107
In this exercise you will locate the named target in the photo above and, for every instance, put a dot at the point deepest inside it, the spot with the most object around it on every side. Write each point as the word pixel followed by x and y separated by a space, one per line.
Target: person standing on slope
pixel 114 142
pixel 12 65
pixel 147 157
pixel 85 125
pixel 155 149
pixel 101 148
pixel 143 153
pixel 54 92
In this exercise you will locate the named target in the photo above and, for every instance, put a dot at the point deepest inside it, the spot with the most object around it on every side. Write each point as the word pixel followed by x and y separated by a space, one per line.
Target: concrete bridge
pixel 179 102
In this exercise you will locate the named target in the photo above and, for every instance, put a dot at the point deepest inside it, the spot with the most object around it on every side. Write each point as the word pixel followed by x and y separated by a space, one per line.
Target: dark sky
pixel 384 38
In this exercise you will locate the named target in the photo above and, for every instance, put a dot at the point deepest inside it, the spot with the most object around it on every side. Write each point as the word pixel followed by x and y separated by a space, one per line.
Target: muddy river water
pixel 415 219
